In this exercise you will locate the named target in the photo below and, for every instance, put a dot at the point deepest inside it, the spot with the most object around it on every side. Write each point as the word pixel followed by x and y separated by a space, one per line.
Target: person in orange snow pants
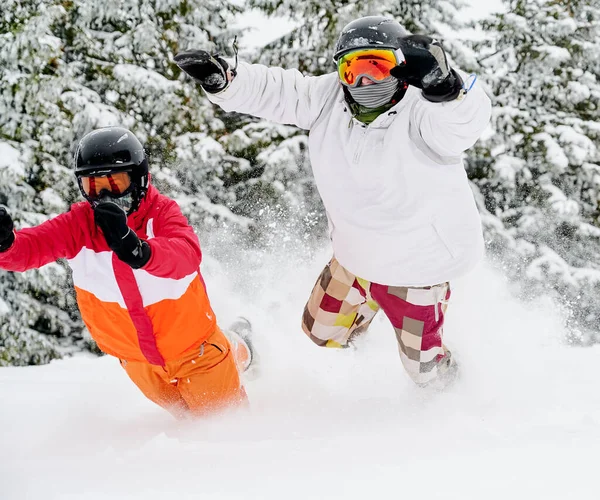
pixel 204 380
pixel 135 262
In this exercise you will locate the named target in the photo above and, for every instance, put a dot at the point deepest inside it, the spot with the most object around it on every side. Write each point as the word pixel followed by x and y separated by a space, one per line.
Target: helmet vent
pixel 121 157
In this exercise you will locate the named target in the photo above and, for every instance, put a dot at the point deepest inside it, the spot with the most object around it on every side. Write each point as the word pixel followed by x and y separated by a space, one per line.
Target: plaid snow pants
pixel 341 306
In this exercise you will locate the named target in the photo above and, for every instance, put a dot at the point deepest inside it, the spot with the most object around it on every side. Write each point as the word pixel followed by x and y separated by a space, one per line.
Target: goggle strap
pixel 113 185
pixel 235 52
pixel 92 181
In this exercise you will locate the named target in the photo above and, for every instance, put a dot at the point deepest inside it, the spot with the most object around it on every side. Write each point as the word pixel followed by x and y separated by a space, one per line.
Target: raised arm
pixel 175 250
pixel 445 130
pixel 60 237
pixel 171 249
pixel 283 96
pixel 452 111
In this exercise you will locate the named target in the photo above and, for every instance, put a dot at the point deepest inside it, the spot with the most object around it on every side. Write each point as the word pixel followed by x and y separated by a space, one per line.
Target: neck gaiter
pixel 373 96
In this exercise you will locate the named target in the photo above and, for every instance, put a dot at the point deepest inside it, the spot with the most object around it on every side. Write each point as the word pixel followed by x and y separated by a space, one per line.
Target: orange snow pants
pixel 204 381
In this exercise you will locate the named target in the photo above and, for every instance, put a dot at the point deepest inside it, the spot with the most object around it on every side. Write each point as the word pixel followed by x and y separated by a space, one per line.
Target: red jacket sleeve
pixel 57 238
pixel 175 249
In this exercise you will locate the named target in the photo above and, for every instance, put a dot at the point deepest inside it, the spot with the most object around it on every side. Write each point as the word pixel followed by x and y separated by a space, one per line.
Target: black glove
pixel 427 68
pixel 7 236
pixel 208 70
pixel 112 220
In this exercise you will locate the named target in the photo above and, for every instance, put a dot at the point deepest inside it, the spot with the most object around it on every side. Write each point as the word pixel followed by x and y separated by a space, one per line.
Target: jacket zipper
pixel 360 145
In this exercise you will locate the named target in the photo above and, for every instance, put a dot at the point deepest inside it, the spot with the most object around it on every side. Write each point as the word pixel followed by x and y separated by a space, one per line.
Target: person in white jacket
pixel 386 134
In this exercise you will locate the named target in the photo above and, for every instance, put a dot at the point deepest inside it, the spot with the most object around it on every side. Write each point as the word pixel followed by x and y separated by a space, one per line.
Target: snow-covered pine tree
pixel 309 47
pixel 539 172
pixel 33 183
pixel 67 67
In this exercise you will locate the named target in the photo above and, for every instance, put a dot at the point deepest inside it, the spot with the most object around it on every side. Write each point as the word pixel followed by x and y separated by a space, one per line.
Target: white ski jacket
pixel 400 208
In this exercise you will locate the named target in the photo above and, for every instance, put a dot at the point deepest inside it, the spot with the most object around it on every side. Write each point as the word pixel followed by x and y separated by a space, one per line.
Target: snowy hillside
pixel 523 422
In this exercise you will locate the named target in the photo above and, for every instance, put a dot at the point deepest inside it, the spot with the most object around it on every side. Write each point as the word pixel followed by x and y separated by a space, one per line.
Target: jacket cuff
pixel 217 86
pixel 145 257
pixel 233 88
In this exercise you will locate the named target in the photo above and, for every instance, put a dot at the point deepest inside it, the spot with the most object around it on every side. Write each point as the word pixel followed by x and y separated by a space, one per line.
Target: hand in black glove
pixel 427 68
pixel 112 220
pixel 7 236
pixel 209 71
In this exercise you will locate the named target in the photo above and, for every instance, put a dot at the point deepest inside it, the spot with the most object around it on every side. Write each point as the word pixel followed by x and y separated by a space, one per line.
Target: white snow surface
pixel 523 421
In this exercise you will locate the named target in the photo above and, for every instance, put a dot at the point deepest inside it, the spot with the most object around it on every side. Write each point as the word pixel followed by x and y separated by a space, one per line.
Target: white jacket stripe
pixel 94 273
pixel 155 289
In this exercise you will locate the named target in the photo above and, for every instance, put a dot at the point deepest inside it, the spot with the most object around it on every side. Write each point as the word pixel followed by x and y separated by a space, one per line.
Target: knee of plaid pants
pixel 417 315
pixel 339 307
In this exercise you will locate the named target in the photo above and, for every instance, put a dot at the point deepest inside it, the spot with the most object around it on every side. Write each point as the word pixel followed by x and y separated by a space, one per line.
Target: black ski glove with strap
pixel 7 235
pixel 208 70
pixel 427 68
pixel 112 220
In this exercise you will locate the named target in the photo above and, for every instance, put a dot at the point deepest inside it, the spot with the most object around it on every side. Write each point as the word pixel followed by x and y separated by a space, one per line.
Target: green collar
pixel 368 115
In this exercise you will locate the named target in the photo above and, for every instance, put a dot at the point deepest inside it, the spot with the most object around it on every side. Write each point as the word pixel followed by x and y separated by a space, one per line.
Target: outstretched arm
pixel 35 247
pixel 450 128
pixel 283 96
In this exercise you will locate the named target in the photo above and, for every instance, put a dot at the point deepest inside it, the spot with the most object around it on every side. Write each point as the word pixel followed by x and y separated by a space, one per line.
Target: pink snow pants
pixel 341 306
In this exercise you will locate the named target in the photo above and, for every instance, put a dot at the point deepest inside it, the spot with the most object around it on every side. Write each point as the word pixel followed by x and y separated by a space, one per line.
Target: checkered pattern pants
pixel 342 306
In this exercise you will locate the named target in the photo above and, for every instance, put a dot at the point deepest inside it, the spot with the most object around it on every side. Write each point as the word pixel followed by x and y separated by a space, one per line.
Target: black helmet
pixel 110 150
pixel 369 32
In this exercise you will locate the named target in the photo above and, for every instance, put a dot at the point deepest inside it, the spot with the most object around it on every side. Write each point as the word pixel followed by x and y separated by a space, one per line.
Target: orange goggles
pixel 116 184
pixel 372 63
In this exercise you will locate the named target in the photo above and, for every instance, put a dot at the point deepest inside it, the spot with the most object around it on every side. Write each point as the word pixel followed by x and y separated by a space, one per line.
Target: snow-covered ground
pixel 523 421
